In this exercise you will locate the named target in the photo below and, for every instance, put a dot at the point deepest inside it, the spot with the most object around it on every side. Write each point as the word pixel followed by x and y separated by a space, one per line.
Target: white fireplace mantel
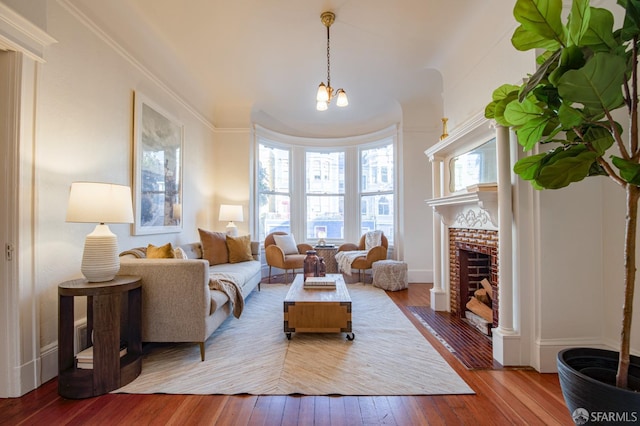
pixel 468 210
pixel 474 207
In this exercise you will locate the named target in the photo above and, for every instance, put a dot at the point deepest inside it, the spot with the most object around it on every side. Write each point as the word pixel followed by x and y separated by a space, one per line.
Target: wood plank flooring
pixel 471 347
pixel 510 396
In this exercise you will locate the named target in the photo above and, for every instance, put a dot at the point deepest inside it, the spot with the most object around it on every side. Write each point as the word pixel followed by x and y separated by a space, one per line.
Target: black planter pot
pixel 587 378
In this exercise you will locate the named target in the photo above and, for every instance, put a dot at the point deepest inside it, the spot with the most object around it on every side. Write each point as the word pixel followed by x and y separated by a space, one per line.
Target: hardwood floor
pixel 510 396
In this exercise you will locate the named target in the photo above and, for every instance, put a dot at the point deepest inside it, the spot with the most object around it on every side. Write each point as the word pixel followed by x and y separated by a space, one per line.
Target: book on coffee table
pixel 320 282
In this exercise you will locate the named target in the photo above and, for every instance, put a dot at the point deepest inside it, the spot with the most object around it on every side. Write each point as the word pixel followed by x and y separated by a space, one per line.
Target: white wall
pixel 421 128
pixel 231 169
pixel 476 66
pixel 613 206
pixel 84 125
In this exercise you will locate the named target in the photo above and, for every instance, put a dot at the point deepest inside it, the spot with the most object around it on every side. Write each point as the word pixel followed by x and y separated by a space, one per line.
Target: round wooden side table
pixel 114 317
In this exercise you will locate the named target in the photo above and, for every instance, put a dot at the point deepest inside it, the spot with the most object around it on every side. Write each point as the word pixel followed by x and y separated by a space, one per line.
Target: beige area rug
pixel 252 355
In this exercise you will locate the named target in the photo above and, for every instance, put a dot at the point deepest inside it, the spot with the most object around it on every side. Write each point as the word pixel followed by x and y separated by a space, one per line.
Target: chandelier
pixel 325 93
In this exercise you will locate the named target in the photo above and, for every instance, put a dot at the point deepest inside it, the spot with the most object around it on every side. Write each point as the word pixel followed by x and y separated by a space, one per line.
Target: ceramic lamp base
pixel 232 229
pixel 100 260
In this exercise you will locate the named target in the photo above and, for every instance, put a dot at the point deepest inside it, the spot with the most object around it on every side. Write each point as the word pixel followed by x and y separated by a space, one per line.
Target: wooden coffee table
pixel 318 310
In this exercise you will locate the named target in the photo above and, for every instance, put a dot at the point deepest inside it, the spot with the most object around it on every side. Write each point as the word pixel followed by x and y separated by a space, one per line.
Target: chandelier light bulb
pixel 322 105
pixel 323 93
pixel 342 100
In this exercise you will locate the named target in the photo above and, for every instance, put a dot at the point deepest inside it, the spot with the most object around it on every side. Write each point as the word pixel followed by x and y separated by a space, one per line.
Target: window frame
pixel 352 147
pixel 271 192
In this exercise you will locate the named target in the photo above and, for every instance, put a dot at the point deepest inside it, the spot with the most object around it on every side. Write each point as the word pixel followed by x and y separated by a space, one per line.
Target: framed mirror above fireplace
pixel 478 165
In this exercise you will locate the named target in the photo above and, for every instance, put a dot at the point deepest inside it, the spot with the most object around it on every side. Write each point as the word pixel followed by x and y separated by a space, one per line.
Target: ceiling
pixel 242 61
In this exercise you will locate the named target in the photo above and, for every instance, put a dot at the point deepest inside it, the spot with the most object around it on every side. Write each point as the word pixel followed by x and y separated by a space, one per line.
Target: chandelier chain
pixel 328 59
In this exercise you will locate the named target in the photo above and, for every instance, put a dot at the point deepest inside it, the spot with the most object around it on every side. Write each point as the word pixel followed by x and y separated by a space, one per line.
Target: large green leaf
pixel 524 39
pixel 500 109
pixel 548 94
pixel 499 95
pixel 503 91
pixel 572 58
pixel 527 167
pixel 541 17
pixel 569 117
pixel 600 139
pixel 566 168
pixel 599 35
pixel 629 170
pixel 490 110
pixel 578 21
pixel 597 85
pixel 519 113
pixel 530 133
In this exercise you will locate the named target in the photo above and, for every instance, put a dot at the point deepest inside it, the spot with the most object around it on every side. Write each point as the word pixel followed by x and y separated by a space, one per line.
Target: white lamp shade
pixel 232 213
pixel 95 202
pixel 101 203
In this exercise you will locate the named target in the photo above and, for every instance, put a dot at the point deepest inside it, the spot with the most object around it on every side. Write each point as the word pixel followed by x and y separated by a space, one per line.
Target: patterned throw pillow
pixel 239 248
pixel 162 252
pixel 214 247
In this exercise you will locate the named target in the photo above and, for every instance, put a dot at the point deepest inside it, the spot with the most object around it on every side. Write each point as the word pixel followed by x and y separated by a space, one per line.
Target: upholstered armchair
pixel 361 256
pixel 282 252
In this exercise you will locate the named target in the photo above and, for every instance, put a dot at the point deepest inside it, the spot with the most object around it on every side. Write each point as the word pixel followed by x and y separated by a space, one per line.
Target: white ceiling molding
pixel 19 34
pixel 274 136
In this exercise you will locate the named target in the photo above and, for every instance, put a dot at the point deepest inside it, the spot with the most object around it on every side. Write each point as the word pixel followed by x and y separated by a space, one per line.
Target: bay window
pixel 334 189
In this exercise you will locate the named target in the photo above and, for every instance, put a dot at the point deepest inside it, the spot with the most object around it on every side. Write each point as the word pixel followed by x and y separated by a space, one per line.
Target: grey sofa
pixel 177 303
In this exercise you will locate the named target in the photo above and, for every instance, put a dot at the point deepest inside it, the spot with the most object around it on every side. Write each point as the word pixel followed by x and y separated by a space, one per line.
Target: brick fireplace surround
pixel 468 247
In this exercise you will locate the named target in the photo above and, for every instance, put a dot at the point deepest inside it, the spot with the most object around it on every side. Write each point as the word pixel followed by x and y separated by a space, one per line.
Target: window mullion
pixel 298 206
pixel 351 195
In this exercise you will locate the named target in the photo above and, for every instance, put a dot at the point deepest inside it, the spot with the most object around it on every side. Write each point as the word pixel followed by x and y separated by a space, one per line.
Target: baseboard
pixel 545 352
pixel 507 348
pixel 49 362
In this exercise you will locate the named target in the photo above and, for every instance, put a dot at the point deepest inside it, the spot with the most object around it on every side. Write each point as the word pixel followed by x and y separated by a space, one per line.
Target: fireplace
pixel 473 256
pixel 478 219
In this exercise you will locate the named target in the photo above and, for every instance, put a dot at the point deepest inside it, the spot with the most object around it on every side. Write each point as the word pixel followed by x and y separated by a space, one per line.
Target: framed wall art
pixel 158 148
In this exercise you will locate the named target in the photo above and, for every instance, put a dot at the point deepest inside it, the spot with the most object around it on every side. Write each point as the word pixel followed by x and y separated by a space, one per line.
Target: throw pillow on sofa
pixel 162 252
pixel 214 247
pixel 287 243
pixel 179 253
pixel 239 248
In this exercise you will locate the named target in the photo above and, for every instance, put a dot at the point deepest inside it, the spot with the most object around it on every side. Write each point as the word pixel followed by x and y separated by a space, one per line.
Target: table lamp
pixel 231 213
pixel 94 202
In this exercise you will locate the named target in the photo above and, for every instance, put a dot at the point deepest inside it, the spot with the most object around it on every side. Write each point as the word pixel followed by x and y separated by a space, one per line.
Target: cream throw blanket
pixel 346 258
pixel 228 284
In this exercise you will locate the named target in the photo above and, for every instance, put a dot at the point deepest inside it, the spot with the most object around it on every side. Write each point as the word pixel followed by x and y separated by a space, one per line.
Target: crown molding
pixel 19 34
pixel 124 53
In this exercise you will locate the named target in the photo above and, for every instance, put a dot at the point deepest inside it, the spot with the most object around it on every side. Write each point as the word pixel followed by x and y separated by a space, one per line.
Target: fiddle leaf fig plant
pixel 564 112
